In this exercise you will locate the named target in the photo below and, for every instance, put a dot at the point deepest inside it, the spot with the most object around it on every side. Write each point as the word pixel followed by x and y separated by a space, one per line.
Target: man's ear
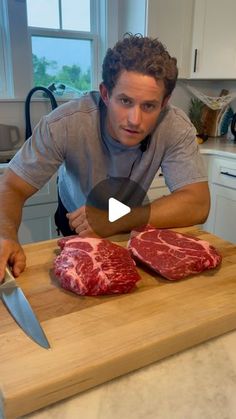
pixel 165 101
pixel 104 93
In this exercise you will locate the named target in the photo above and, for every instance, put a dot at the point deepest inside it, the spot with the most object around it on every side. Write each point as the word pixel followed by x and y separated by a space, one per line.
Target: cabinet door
pixel 158 187
pixel 171 22
pixel 38 223
pixel 48 193
pixel 221 220
pixel 214 34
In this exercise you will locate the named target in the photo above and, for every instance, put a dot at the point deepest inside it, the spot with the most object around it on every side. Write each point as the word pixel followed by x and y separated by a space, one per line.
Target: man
pixel 127 131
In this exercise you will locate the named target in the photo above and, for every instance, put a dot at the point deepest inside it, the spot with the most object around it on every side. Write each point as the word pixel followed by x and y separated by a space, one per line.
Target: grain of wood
pixel 94 339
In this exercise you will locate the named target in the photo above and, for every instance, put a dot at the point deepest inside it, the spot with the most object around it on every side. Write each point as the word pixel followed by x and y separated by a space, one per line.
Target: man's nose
pixel 135 116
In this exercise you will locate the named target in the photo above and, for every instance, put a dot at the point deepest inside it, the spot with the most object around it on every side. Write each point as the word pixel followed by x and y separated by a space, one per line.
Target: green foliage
pixel 70 75
pixel 40 66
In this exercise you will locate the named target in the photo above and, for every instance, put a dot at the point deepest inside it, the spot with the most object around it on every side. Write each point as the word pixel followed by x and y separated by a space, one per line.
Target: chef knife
pixel 20 309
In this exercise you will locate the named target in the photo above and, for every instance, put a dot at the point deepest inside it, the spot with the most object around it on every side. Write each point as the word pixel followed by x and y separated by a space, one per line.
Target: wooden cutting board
pixel 94 339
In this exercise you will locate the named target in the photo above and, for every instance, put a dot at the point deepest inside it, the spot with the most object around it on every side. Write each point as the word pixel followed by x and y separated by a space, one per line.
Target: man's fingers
pixel 82 227
pixel 13 254
pixel 87 233
pixel 4 256
pixel 18 265
pixel 76 218
pixel 2 272
pixel 74 214
pixel 77 222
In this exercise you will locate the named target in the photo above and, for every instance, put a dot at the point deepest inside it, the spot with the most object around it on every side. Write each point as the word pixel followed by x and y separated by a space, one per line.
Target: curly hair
pixel 141 54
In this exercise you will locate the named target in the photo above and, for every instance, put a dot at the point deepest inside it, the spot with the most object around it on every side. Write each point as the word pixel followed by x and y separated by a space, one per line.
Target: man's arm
pixel 186 206
pixel 13 191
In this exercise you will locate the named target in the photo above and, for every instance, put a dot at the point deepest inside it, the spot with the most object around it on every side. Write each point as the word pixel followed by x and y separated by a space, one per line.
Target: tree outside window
pixel 62 39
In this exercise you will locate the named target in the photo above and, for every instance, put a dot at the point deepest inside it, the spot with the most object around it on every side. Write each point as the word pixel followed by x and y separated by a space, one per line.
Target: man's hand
pixel 12 253
pixel 90 222
pixel 186 206
pixel 13 191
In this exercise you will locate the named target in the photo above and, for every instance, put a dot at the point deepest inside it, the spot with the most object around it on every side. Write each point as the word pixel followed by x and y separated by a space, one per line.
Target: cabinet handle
pixel 227 174
pixel 195 61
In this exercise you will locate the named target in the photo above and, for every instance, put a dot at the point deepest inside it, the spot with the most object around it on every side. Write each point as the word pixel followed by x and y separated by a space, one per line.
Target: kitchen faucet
pixel 28 130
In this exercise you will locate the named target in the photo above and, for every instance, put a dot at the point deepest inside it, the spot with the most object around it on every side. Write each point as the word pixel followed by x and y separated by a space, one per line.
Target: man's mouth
pixel 131 131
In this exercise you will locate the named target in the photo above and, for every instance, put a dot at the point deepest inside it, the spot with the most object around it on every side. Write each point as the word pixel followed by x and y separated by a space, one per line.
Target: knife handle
pixel 9 280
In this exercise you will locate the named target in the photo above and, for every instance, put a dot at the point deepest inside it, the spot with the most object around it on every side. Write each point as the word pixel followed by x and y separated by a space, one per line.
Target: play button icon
pixel 115 197
pixel 116 209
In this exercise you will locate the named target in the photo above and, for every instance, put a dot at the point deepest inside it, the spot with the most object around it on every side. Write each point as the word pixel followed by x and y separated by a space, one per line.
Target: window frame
pixel 5 57
pixel 92 36
pixel 19 67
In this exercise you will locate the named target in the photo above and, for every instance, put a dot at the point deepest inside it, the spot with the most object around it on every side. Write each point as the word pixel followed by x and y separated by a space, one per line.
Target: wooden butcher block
pixel 94 339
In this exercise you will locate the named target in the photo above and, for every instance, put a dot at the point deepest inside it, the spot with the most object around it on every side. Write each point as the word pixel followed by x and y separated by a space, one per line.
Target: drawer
pixel 224 172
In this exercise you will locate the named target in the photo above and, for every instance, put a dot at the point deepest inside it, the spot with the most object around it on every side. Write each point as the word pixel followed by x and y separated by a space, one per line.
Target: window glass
pixel 55 31
pixel 43 13
pixel 62 60
pixel 6 75
pixel 76 15
pixel 1 84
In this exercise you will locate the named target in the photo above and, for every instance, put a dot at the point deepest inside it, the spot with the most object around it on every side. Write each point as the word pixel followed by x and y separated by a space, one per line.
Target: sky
pixel 75 16
pixel 64 51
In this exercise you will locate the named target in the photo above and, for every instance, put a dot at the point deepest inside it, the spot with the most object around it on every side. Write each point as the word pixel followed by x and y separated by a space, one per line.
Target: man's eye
pixel 148 107
pixel 125 101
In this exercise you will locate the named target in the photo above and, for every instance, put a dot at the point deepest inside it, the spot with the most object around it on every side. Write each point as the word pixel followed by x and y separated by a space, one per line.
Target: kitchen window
pixel 5 59
pixel 64 40
pixel 60 42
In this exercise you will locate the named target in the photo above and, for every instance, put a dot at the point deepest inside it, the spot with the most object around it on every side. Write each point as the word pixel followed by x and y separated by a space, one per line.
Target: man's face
pixel 133 107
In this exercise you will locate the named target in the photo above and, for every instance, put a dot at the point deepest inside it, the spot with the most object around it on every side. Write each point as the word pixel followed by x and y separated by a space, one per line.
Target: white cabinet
pixel 38 223
pixel 171 22
pixel 222 219
pixel 199 33
pixel 158 187
pixel 214 35
pixel 38 215
pixel 222 183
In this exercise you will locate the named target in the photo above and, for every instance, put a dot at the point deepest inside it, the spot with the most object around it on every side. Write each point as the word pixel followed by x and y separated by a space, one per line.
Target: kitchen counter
pixel 219 154
pixel 99 339
pixel 219 146
pixel 197 383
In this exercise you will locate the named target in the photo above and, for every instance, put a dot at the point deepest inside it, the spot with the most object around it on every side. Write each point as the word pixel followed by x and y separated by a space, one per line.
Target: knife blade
pixel 20 309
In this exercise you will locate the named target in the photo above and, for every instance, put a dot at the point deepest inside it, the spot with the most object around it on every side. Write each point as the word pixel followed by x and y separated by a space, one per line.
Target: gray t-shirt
pixel 73 140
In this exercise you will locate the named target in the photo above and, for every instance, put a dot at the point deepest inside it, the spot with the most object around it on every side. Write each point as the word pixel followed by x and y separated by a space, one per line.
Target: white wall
pixel 132 16
pixel 12 113
pixel 181 96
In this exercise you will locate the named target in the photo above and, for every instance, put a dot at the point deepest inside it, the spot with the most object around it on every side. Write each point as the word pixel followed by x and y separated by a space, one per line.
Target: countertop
pixel 219 146
pixel 197 383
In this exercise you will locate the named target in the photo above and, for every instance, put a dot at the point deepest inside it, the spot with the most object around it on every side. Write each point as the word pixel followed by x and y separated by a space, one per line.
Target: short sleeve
pixel 183 163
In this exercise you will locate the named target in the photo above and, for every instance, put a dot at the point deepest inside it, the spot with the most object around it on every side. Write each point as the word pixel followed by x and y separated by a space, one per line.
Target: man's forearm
pixel 185 207
pixel 10 214
pixel 13 192
pixel 179 209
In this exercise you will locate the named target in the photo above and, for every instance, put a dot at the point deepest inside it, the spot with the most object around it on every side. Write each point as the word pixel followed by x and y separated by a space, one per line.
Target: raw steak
pixel 94 266
pixel 172 254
